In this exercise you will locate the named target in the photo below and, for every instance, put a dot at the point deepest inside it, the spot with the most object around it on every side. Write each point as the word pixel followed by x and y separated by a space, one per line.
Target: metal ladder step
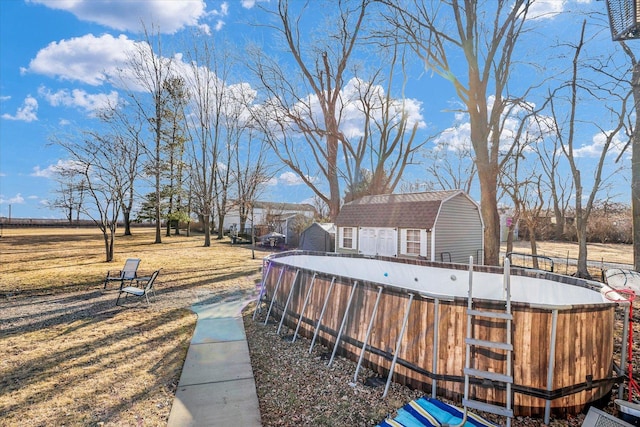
pixel 489 344
pixel 491 314
pixel 488 407
pixel 493 376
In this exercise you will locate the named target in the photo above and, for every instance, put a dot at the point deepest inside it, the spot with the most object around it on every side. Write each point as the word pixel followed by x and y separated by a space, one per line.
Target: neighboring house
pixel 272 216
pixel 438 226
pixel 319 237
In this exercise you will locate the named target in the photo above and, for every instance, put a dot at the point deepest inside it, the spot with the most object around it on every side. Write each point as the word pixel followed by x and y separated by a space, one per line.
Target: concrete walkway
pixel 216 386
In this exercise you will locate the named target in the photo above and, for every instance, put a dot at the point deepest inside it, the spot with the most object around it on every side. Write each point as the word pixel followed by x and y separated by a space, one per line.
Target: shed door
pixel 378 241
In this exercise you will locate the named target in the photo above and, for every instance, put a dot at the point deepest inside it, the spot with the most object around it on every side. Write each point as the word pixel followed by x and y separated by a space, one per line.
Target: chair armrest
pixel 109 273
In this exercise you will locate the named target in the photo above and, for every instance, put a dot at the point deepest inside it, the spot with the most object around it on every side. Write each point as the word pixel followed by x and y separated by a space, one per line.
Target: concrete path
pixel 216 386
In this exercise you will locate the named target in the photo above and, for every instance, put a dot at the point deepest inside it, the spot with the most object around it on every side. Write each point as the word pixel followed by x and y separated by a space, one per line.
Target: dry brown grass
pixel 70 356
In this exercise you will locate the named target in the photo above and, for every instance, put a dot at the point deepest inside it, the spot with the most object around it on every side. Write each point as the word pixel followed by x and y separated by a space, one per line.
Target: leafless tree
pixel 98 165
pixel 634 142
pixel 70 193
pixel 251 171
pixel 145 78
pixel 566 133
pixel 124 127
pixel 321 69
pixel 485 34
pixel 450 167
pixel 217 123
pixel 305 112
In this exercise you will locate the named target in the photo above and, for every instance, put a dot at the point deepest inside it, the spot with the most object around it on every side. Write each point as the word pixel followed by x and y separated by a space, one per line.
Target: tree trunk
pixel 534 246
pixel 126 217
pixel 490 215
pixel 207 231
pixel 635 168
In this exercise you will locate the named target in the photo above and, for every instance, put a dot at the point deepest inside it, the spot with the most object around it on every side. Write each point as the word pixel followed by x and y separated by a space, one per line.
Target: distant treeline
pixel 49 222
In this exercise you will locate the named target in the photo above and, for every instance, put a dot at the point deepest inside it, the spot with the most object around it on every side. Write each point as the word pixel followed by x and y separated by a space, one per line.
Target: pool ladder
pixel 505 317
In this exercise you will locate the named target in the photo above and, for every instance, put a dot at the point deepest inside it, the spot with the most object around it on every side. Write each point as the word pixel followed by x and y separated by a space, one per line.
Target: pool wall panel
pixel 583 351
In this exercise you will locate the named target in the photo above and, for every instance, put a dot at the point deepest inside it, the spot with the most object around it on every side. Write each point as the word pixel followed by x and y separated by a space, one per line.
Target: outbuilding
pixel 438 226
pixel 319 237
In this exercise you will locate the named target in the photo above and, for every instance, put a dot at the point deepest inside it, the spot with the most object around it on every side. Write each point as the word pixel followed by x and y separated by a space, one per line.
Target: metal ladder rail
pixel 506 346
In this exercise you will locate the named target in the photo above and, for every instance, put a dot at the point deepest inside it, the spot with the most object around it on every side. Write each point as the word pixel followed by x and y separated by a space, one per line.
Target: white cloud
pixel 594 150
pixel 249 4
pixel 79 98
pixel 352 121
pixel 27 112
pixel 5 97
pixel 15 200
pixel 51 170
pixel 545 9
pixel 290 178
pixel 88 59
pixel 166 16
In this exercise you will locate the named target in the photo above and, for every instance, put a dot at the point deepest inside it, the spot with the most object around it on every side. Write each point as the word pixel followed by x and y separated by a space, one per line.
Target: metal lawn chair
pixel 128 273
pixel 144 288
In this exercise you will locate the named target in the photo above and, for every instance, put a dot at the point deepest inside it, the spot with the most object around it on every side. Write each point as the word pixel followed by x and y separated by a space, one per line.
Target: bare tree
pixel 634 141
pixel 567 135
pixel 216 124
pixel 98 165
pixel 485 34
pixel 251 172
pixel 71 191
pixel 386 144
pixel 148 70
pixel 450 167
pixel 124 128
pixel 322 68
pixel 315 105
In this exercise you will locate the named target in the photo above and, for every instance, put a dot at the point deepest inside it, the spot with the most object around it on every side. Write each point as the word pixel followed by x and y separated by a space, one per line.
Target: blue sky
pixel 56 57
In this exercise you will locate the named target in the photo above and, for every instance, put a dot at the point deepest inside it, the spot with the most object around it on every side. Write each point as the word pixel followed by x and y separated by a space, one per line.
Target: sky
pixel 57 58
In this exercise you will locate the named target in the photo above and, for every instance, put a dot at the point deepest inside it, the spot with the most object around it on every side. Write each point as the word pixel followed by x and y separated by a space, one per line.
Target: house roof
pixel 409 210
pixel 282 206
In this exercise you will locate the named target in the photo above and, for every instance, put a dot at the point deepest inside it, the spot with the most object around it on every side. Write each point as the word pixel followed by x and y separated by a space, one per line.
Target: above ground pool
pixel 412 316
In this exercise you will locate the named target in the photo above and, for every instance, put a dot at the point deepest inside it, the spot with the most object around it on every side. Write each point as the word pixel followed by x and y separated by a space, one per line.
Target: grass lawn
pixel 69 356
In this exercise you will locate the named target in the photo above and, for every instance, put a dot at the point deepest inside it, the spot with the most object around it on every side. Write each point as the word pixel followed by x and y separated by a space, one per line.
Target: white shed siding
pixel 458 230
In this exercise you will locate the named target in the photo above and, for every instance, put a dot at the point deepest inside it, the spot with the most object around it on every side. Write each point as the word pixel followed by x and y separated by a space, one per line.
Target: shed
pixel 320 237
pixel 438 226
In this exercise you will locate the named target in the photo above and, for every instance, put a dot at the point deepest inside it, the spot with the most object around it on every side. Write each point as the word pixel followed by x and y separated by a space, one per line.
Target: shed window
pixel 347 238
pixel 413 242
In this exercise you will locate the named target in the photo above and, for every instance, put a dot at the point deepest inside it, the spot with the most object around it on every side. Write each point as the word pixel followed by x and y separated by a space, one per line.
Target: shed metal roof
pixel 411 210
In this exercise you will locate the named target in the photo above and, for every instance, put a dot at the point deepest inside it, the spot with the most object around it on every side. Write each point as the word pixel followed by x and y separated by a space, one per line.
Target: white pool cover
pixel 445 282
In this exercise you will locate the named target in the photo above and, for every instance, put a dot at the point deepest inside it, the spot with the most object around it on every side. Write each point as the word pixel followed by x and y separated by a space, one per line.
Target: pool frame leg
pixel 262 289
pixel 304 306
pixel 623 349
pixel 275 292
pixel 324 308
pixel 344 322
pixel 366 339
pixel 436 338
pixel 398 345
pixel 286 306
pixel 552 363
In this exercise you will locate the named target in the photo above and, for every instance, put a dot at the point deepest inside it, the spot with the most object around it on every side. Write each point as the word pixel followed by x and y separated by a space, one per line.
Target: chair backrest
pixel 130 268
pixel 151 281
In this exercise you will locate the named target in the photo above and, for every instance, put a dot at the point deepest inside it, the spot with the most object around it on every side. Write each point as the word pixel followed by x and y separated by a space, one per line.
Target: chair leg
pixel 118 300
